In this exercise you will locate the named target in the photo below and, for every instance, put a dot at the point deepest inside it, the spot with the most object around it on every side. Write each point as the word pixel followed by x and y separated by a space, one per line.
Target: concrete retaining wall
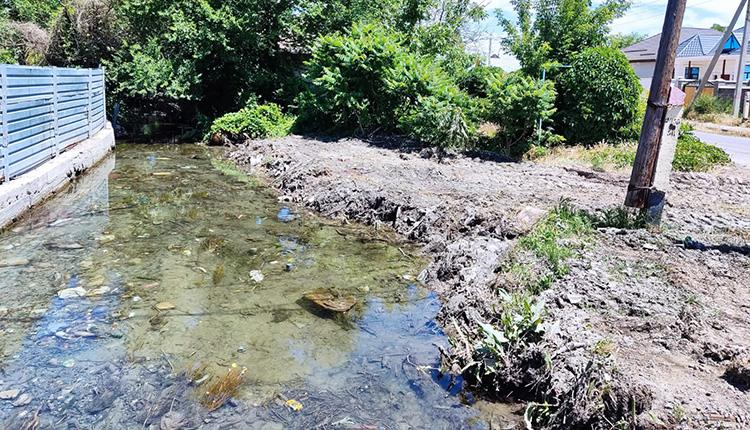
pixel 30 189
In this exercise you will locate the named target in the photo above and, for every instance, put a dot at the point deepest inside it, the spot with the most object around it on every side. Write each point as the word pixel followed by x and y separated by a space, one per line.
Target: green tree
pixel 620 41
pixel 599 97
pixel 718 27
pixel 551 31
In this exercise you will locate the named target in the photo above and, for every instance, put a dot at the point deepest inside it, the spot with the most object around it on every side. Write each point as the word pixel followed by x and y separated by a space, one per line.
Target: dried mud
pixel 676 321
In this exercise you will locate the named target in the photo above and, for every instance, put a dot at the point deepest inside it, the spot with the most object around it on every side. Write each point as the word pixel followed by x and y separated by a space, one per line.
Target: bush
pixel 369 80
pixel 515 103
pixel 694 155
pixel 709 105
pixel 598 97
pixel 253 122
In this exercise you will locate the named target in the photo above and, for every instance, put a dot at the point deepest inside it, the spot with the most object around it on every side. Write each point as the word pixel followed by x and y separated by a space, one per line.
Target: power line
pixel 660 14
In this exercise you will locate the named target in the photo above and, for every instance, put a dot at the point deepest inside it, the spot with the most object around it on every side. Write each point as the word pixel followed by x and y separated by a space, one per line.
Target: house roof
pixel 704 45
pixel 647 49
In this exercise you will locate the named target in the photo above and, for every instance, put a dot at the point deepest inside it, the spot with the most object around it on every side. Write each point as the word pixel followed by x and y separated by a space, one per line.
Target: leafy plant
pixel 253 122
pixel 519 323
pixel 370 80
pixel 599 97
pixel 516 103
pixel 693 155
pixel 706 104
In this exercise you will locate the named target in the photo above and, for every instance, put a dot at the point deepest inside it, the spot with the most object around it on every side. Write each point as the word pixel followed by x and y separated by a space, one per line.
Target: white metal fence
pixel 44 111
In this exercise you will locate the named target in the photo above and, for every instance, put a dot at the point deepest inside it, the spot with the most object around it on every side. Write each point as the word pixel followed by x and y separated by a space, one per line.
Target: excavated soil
pixel 674 319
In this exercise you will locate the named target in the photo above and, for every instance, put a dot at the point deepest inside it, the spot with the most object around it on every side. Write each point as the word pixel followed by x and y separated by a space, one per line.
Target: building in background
pixel 642 55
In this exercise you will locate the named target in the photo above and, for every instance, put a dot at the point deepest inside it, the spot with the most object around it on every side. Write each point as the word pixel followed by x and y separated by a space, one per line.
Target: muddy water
pixel 186 263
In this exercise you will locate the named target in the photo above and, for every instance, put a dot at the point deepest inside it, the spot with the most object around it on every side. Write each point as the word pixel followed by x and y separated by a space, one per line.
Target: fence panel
pixel 45 110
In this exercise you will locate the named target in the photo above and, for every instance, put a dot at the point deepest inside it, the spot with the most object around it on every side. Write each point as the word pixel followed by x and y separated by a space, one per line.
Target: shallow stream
pixel 124 298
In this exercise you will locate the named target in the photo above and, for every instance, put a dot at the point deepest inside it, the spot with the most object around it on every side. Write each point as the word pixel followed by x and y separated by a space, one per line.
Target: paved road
pixel 738 148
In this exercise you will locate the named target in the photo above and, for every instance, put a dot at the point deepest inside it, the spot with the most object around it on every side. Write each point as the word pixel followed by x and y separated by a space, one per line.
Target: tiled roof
pixel 705 45
pixel 646 49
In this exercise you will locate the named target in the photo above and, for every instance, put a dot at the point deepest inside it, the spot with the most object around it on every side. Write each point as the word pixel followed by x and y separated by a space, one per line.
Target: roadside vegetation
pixel 713 109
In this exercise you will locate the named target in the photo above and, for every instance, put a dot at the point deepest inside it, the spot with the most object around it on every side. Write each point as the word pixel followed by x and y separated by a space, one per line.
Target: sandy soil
pixel 673 319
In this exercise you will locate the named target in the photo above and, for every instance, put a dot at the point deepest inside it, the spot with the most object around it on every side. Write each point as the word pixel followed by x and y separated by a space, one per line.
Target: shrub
pixel 515 103
pixel 368 80
pixel 598 97
pixel 253 122
pixel 694 155
pixel 477 81
pixel 709 105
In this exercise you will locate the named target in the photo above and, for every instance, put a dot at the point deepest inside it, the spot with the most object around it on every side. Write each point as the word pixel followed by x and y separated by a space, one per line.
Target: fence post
pixel 104 100
pixel 89 106
pixel 4 138
pixel 54 107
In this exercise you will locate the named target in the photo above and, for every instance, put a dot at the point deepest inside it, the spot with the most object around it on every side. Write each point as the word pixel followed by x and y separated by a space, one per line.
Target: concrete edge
pixel 30 189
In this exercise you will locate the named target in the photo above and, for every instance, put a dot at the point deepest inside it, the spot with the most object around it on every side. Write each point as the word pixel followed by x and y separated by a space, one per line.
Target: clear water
pixel 170 227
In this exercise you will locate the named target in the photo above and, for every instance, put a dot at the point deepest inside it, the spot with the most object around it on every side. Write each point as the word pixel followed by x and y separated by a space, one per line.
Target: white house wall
pixel 703 62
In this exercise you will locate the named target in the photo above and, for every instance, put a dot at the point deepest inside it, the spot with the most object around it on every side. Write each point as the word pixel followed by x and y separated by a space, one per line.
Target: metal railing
pixel 44 111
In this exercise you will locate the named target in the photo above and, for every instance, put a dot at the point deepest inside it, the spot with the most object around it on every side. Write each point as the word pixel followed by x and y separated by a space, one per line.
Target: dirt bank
pixel 642 328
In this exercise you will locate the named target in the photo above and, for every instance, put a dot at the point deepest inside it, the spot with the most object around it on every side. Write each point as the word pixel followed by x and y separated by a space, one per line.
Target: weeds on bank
pixel 219 390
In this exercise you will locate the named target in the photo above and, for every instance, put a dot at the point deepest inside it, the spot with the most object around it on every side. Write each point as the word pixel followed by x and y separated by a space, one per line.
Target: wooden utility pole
pixel 641 180
pixel 717 54
pixel 740 78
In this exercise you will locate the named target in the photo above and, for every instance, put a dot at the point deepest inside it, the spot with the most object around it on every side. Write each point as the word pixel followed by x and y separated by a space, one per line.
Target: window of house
pixel 691 72
pixel 747 73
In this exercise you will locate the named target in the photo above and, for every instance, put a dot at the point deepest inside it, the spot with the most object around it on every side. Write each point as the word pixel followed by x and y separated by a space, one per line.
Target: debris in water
pixel 294 405
pixel 99 291
pixel 69 363
pixel 285 215
pixel 186 252
pixel 151 285
pixel 164 306
pixel 14 262
pixel 136 299
pixel 218 274
pixel 256 275
pixel 333 301
pixel 162 173
pixel 241 349
pixel 221 390
pixel 70 293
pixel 63 246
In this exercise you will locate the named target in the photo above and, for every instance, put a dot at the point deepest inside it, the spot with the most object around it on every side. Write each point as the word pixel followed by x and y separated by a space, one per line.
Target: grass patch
pixel 694 155
pixel 691 155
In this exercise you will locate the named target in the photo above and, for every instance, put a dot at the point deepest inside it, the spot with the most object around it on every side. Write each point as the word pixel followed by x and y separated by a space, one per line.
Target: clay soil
pixel 672 319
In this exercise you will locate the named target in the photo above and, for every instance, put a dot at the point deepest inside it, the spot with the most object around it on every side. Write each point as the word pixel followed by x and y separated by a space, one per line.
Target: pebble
pixel 22 400
pixel 9 394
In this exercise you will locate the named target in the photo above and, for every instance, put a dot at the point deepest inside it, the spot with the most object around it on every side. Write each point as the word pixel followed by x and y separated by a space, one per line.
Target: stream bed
pixel 162 271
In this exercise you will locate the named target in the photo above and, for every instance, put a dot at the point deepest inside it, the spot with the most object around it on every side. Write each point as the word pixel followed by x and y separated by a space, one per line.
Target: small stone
pixel 22 400
pixel 9 394
pixel 527 218
pixel 241 349
pixel 650 247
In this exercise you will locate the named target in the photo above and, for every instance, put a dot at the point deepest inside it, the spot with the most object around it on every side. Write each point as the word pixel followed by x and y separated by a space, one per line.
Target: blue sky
pixel 647 16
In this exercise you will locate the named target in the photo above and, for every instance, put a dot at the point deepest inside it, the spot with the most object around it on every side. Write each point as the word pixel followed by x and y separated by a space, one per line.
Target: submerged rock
pixel 70 293
pixel 333 301
pixel 9 394
pixel 22 400
pixel 14 262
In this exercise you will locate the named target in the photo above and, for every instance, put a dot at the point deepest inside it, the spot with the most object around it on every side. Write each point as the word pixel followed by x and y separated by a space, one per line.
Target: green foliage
pixel 518 324
pixel 718 27
pixel 85 33
pixel 39 12
pixel 515 103
pixel 706 104
pixel 693 155
pixel 551 31
pixel 551 239
pixel 477 82
pixel 620 41
pixel 599 97
pixel 437 122
pixel 253 122
pixel 369 80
